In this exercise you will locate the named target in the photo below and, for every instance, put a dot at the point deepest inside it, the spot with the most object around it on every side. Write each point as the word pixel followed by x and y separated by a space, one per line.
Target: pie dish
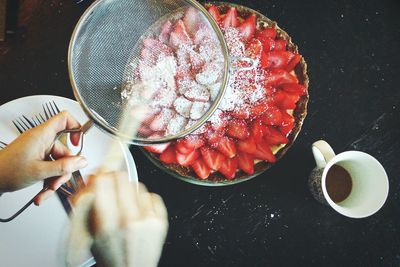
pixel 262 110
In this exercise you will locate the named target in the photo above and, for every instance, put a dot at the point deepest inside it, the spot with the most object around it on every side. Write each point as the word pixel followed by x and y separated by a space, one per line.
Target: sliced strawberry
pixel 264 152
pixel 273 116
pixel 254 49
pixel 201 169
pixel 213 137
pixel 231 18
pixel 267 32
pixel 280 45
pixel 246 162
pixel 268 43
pixel 277 59
pixel 285 100
pixel 213 10
pixel 194 141
pixel 256 129
pixel 293 88
pixel 182 148
pixel 145 131
pixel 278 76
pixel 264 62
pixel 288 123
pixel 237 129
pixel 179 35
pixel 191 20
pixel 165 31
pixel 212 158
pixel 275 137
pixel 248 27
pixel 248 145
pixel 292 64
pixel 242 113
pixel 258 110
pixel 158 149
pixel 188 159
pixel 228 168
pixel 227 147
pixel 169 155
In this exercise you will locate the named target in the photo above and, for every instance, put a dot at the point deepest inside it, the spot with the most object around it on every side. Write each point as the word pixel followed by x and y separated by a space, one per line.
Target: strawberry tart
pixel 260 114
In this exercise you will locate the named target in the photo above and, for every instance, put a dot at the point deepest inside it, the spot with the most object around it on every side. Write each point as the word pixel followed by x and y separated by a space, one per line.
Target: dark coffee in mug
pixel 338 183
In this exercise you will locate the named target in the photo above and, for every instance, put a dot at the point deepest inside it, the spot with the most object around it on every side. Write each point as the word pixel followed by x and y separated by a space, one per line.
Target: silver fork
pixel 2 145
pixel 50 110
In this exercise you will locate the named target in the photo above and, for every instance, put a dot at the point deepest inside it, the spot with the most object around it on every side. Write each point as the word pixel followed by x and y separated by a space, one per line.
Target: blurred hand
pixel 123 223
pixel 24 161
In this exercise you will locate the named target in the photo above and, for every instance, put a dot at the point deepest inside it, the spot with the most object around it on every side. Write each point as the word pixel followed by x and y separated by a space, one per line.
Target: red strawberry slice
pixel 264 152
pixel 268 43
pixel 246 162
pixel 179 35
pixel 191 20
pixel 267 32
pixel 165 31
pixel 201 169
pixel 248 27
pixel 194 141
pixel 227 147
pixel 292 64
pixel 276 77
pixel 248 145
pixel 241 113
pixel 182 148
pixel 213 10
pixel 212 158
pixel 213 137
pixel 280 45
pixel 258 110
pixel 228 168
pixel 169 155
pixel 277 59
pixel 188 159
pixel 293 88
pixel 275 137
pixel 231 18
pixel 264 62
pixel 158 149
pixel 254 49
pixel 257 130
pixel 273 116
pixel 145 131
pixel 237 129
pixel 285 100
pixel 288 123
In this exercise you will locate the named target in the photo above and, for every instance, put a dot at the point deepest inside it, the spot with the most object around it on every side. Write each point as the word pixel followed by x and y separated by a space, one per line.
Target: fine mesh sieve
pixel 123 58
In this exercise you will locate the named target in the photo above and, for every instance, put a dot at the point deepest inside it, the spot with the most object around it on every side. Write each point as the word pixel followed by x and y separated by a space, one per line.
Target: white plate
pixel 35 238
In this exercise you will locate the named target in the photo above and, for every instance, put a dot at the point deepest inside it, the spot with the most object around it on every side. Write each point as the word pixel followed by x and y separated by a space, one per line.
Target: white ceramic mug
pixel 370 185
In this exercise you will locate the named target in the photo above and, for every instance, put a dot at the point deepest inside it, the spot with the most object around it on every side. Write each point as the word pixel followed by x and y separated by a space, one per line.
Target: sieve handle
pixel 84 129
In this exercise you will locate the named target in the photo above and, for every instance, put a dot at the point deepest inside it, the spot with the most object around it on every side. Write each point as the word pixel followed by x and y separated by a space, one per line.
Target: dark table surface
pixel 352 50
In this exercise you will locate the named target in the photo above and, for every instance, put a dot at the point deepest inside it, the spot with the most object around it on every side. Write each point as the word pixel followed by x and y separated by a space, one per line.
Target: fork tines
pixel 2 145
pixel 50 109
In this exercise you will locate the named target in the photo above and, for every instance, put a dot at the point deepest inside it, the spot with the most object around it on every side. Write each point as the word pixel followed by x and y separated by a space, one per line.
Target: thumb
pixel 61 166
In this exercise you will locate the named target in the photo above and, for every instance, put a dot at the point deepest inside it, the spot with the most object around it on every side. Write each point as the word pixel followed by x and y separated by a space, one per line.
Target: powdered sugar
pixel 183 106
pixel 176 124
pixel 198 110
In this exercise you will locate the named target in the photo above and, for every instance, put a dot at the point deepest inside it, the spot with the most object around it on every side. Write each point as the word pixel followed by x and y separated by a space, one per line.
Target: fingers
pixel 159 206
pixel 59 150
pixel 60 167
pixel 58 123
pixel 126 194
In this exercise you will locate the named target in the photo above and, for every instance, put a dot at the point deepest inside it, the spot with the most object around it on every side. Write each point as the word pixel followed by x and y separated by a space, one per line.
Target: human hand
pixel 123 223
pixel 24 161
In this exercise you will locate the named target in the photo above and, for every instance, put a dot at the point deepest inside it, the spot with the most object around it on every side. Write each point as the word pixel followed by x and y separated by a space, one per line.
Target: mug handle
pixel 322 152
